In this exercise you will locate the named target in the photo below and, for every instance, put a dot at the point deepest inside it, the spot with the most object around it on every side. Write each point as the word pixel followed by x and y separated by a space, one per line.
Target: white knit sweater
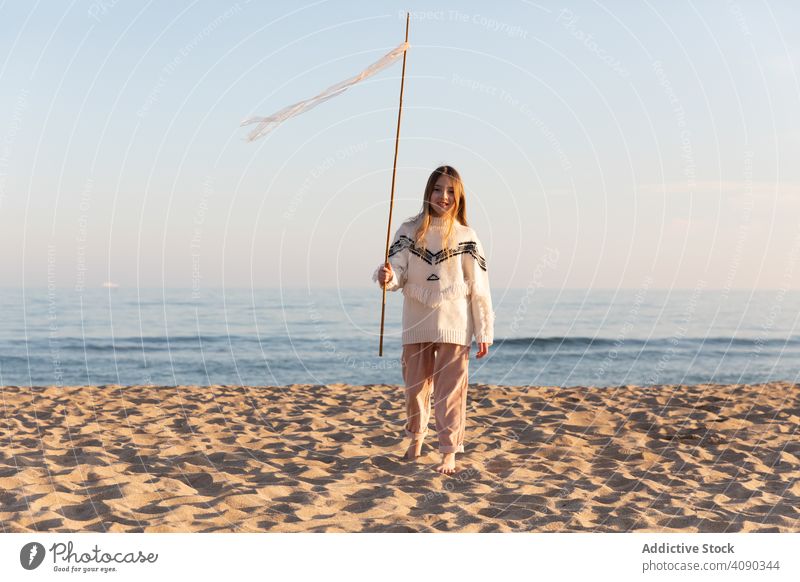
pixel 447 297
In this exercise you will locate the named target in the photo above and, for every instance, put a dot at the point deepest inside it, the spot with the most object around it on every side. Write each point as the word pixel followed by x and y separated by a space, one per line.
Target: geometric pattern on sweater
pixel 435 258
pixel 463 306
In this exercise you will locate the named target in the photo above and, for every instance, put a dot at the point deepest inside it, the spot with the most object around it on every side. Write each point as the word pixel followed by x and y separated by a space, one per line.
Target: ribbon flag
pixel 267 124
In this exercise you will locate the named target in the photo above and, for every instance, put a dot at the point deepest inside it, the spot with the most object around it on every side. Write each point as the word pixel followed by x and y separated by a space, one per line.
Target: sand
pixel 705 458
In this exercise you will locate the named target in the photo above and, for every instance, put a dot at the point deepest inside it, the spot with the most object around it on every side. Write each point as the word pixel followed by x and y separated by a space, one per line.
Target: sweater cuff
pixel 483 316
pixel 391 285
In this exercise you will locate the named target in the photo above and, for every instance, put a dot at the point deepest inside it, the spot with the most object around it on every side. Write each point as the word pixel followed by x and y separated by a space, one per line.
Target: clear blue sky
pixel 609 144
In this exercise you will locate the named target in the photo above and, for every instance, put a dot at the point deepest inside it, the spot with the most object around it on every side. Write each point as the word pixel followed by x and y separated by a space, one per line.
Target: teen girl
pixel 439 263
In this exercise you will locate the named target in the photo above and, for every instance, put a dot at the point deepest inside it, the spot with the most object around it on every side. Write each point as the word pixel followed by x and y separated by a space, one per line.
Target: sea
pixel 280 336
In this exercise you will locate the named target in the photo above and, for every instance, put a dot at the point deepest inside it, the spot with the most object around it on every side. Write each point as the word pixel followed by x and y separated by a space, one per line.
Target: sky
pixel 602 144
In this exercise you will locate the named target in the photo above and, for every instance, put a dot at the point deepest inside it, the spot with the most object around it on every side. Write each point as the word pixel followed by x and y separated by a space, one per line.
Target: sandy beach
pixel 705 458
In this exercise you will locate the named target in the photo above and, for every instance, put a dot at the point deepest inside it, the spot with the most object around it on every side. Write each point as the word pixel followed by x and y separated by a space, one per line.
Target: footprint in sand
pixel 394 467
pixel 85 511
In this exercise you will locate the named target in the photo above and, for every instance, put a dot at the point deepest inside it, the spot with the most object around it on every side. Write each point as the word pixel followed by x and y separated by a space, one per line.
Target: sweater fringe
pixel 433 298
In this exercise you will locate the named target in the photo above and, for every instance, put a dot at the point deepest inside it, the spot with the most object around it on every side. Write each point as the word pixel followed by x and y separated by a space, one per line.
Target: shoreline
pixel 326 457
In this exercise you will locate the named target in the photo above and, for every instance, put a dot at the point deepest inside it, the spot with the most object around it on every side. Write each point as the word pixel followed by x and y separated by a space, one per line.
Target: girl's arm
pixel 477 276
pixel 398 259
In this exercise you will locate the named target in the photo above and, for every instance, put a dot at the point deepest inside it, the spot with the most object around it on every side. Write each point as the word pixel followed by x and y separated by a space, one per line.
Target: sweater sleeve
pixel 477 275
pixel 398 259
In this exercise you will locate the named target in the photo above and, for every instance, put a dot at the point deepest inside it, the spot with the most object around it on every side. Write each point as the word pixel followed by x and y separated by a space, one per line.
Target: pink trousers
pixel 441 369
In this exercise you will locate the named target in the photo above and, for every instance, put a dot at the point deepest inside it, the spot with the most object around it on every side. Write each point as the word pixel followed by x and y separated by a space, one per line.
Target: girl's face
pixel 443 196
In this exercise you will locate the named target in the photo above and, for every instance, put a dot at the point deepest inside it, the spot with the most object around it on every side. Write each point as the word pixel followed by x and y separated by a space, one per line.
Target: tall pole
pixel 391 200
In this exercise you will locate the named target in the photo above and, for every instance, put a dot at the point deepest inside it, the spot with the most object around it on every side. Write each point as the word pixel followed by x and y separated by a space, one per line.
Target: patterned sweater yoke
pixel 447 294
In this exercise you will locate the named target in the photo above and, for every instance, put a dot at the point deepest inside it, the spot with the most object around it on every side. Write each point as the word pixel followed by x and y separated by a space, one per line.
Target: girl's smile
pixel 443 196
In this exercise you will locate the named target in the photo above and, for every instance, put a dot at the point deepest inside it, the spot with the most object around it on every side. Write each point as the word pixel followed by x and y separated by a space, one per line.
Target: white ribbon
pixel 267 124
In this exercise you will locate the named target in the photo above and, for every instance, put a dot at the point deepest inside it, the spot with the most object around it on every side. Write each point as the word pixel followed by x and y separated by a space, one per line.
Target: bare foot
pixel 448 464
pixel 414 450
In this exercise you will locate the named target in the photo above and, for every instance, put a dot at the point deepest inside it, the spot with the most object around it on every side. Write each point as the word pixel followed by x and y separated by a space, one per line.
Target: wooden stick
pixel 391 199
